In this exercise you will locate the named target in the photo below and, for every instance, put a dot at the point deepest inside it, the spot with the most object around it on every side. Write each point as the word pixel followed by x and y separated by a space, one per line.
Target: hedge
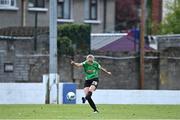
pixel 73 38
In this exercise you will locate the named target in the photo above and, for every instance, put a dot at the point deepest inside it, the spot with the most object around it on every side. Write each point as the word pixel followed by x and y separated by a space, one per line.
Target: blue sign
pixel 68 87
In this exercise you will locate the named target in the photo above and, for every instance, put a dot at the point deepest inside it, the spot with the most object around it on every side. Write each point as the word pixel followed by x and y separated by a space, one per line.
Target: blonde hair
pixel 90 55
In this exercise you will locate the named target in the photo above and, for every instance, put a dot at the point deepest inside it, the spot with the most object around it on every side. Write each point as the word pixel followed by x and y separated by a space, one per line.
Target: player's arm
pixel 76 64
pixel 104 70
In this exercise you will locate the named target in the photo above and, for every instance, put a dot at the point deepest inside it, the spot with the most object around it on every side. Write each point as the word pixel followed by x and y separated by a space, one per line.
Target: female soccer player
pixel 91 71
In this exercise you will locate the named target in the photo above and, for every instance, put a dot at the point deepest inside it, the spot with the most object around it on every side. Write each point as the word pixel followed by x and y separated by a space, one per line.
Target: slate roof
pixel 126 43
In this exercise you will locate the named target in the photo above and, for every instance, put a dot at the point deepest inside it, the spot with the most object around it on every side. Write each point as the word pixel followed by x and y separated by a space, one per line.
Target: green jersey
pixel 91 70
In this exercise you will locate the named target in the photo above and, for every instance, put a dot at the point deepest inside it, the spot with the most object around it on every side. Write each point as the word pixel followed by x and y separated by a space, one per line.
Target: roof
pixel 99 40
pixel 126 43
pixel 22 31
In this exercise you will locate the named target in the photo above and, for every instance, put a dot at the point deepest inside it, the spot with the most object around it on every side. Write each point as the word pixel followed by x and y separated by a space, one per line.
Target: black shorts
pixel 90 82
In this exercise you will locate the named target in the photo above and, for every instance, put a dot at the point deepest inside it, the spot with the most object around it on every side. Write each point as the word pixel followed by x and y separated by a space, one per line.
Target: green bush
pixel 74 38
pixel 64 45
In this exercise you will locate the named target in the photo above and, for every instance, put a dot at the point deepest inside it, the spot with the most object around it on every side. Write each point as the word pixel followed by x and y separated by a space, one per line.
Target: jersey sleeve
pixel 83 63
pixel 99 66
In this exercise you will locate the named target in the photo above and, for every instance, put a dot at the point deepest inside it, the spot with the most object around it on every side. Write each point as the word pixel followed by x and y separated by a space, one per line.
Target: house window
pixel 64 9
pixel 91 9
pixel 8 67
pixel 36 4
pixel 8 3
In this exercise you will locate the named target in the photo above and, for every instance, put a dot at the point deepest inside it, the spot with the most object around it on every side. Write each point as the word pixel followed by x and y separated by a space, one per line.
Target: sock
pixel 89 94
pixel 83 99
pixel 90 101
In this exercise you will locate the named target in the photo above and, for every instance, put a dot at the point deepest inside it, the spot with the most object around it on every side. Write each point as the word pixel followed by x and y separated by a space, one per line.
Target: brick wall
pixel 156 11
pixel 29 65
pixel 161 69
pixel 169 47
pixel 124 70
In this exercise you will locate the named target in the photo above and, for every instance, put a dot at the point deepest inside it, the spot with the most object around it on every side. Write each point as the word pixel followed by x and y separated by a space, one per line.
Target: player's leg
pixel 92 88
pixel 87 84
pixel 86 90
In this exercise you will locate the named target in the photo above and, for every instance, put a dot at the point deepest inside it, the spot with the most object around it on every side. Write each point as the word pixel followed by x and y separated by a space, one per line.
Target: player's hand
pixel 72 62
pixel 109 73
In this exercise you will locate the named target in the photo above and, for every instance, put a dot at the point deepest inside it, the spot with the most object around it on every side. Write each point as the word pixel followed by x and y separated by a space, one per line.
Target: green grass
pixel 84 112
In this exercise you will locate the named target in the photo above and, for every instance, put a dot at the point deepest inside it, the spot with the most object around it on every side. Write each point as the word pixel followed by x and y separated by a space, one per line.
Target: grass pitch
pixel 84 112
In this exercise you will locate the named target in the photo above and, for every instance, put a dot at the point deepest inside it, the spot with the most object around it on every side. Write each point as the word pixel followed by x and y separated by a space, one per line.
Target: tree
pixel 171 24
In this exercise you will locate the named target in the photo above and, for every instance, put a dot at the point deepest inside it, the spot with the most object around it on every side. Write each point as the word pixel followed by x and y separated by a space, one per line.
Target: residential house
pixel 128 14
pixel 100 14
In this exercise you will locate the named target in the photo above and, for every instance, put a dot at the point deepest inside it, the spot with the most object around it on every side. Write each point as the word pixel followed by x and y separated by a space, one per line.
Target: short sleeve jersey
pixel 91 71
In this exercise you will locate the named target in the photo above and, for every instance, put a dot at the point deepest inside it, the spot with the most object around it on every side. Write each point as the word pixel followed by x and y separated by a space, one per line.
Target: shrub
pixel 74 38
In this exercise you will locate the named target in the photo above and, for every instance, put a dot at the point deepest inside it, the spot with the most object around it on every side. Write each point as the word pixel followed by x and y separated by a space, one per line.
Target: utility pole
pixel 53 76
pixel 142 31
